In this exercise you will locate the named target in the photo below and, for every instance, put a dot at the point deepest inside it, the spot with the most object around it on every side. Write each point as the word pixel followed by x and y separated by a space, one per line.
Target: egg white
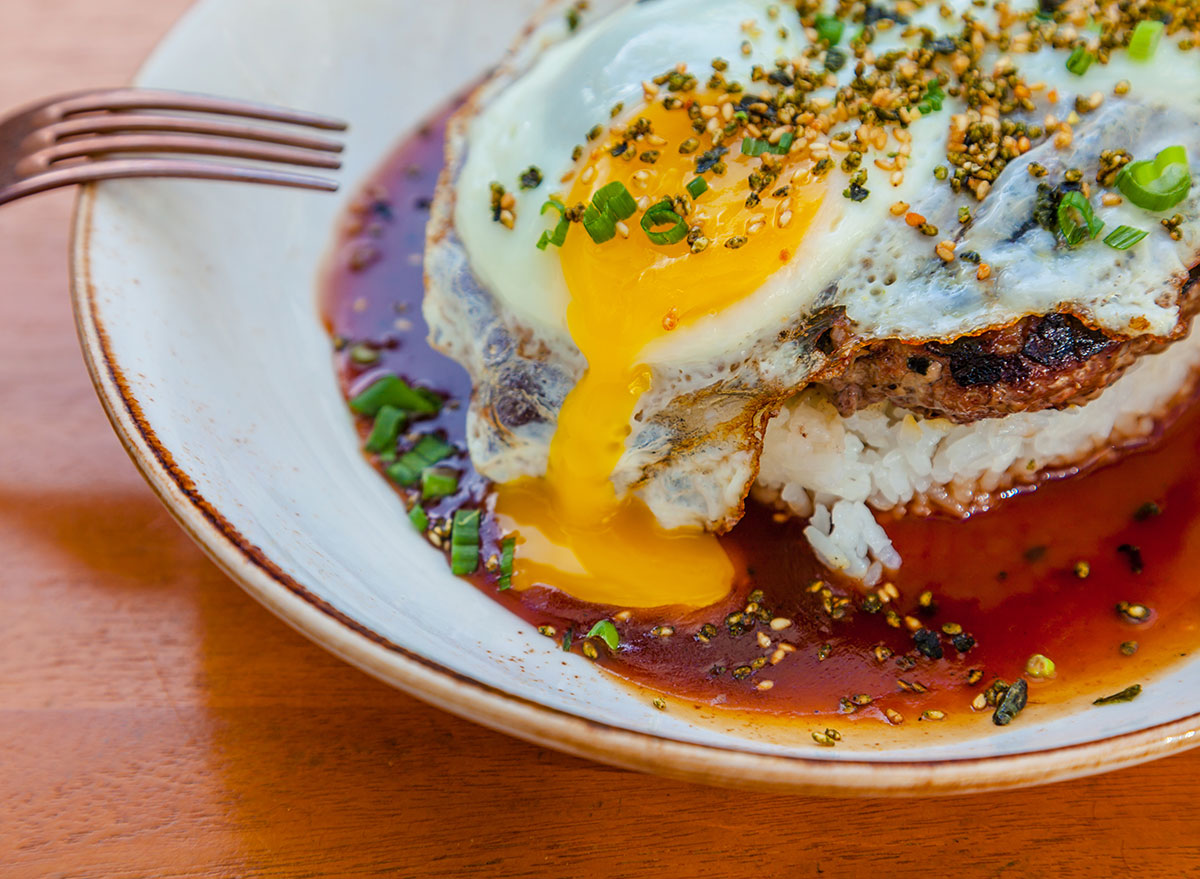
pixel 489 285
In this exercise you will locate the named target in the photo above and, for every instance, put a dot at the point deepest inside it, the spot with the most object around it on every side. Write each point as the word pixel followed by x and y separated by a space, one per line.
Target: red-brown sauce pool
pixel 1001 586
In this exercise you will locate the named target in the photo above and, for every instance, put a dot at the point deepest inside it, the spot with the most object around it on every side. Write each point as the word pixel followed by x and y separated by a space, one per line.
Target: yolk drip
pixel 574 533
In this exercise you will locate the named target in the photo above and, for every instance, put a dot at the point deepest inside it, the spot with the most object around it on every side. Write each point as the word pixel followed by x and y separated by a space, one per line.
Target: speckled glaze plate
pixel 196 307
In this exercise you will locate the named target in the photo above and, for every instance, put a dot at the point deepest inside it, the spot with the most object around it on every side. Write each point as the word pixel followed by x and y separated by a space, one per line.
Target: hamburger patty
pixel 1041 362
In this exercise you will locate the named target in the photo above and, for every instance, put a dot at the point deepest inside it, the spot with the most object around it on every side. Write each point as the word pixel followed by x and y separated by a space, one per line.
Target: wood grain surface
pixel 155 722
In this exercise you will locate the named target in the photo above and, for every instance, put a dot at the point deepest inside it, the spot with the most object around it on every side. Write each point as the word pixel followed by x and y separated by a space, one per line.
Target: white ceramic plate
pixel 197 312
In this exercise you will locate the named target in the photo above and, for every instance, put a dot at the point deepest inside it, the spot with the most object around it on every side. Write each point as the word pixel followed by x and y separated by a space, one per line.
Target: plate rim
pixel 473 700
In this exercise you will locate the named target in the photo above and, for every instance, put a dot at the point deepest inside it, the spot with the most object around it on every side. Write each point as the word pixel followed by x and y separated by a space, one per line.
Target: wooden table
pixel 155 722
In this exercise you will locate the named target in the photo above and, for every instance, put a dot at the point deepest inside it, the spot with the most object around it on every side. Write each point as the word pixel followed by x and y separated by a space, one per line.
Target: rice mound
pixel 834 470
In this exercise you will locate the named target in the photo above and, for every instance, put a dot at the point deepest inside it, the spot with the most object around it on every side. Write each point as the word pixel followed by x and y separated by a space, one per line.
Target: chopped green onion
pixel 559 236
pixel 464 542
pixel 1157 184
pixel 405 471
pixel 438 482
pixel 419 518
pixel 566 645
pixel 754 146
pixel 508 550
pixel 1124 237
pixel 1079 62
pixel 934 97
pixel 387 427
pixel 697 187
pixel 428 451
pixel 663 214
pixel 393 391
pixel 464 530
pixel 1144 42
pixel 615 200
pixel 1076 219
pixel 431 449
pixel 464 560
pixel 608 632
pixel 830 29
pixel 600 226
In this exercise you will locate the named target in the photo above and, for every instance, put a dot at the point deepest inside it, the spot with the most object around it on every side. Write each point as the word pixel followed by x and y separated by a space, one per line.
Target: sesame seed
pixel 780 623
pixel 914 219
pixel 945 250
pixel 1135 613
pixel 784 219
pixel 763 641
pixel 589 173
pixel 899 208
pixel 764 685
pixel 983 272
pixel 1039 666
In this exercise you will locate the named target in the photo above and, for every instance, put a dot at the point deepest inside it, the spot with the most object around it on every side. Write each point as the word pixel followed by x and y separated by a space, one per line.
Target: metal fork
pixel 115 133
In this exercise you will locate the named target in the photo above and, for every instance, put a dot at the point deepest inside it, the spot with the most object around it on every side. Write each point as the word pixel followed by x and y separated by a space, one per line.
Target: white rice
pixel 834 470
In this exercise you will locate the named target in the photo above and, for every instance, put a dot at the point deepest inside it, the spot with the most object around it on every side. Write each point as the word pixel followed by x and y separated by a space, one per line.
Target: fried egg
pixel 623 386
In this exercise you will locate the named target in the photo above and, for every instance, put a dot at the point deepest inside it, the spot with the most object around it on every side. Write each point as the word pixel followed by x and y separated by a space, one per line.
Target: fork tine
pixel 123 169
pixel 125 122
pixel 149 99
pixel 186 143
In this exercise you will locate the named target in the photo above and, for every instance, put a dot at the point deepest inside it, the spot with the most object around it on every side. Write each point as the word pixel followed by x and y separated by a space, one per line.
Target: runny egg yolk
pixel 573 531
